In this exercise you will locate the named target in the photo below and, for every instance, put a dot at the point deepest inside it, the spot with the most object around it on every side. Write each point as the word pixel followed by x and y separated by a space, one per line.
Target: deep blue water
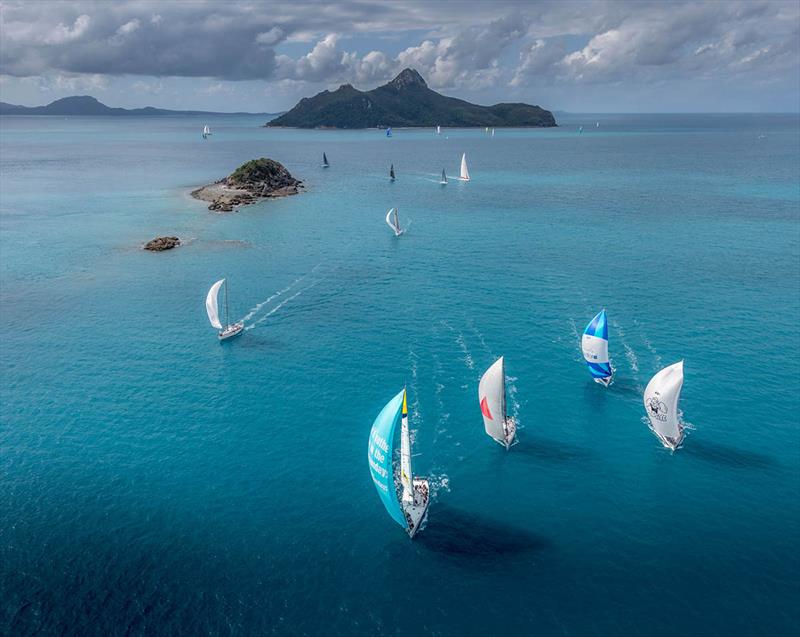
pixel 154 481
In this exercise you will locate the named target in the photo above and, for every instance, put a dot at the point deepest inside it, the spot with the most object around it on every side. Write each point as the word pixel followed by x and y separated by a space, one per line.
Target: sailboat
pixel 487 130
pixel 580 129
pixel 438 130
pixel 594 344
pixel 230 330
pixel 389 132
pixel 464 176
pixel 661 403
pixel 325 163
pixel 394 222
pixel 443 180
pixel 492 398
pixel 391 172
pixel 206 131
pixel 597 124
pixel 493 132
pixel 410 508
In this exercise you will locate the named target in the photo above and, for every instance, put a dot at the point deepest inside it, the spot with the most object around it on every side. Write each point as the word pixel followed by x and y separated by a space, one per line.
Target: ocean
pixel 155 481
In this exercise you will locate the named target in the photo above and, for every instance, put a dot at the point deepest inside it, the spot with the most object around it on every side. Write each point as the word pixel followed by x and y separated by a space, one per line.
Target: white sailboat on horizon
pixel 438 130
pixel 394 222
pixel 492 399
pixel 212 309
pixel 206 131
pixel 661 403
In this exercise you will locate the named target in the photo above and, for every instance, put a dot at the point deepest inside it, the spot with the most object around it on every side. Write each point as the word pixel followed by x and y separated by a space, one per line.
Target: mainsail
pixel 438 130
pixel 391 172
pixel 325 160
pixel 406 475
pixel 661 403
pixel 389 132
pixel 492 398
pixel 211 304
pixel 206 130
pixel 393 221
pixel 380 454
pixel 444 177
pixel 594 344
pixel 464 172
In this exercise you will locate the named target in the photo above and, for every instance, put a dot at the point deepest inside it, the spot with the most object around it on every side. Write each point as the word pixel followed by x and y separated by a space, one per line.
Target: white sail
pixel 438 130
pixel 406 475
pixel 661 403
pixel 464 172
pixel 492 398
pixel 211 304
pixel 393 221
pixel 493 132
pixel 206 130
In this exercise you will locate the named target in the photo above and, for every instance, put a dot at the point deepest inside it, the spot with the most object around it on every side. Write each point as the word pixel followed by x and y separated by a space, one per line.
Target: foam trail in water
pixel 653 351
pixel 633 361
pixel 254 310
pixel 280 305
pixel 511 390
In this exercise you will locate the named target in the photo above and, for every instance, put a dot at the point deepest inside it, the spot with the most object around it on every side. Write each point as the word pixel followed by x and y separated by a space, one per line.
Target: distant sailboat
pixel 230 330
pixel 492 399
pixel 206 131
pixel 325 163
pixel 389 132
pixel 443 180
pixel 464 176
pixel 580 129
pixel 493 132
pixel 391 172
pixel 487 129
pixel 394 222
pixel 410 508
pixel 597 124
pixel 438 130
pixel 594 344
pixel 661 403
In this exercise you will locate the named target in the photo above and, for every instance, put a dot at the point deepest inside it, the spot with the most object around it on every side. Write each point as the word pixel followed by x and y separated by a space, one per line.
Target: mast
pixel 406 476
pixel 227 323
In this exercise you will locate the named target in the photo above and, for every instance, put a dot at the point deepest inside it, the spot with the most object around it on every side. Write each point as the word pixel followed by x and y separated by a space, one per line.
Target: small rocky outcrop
pixel 159 244
pixel 252 181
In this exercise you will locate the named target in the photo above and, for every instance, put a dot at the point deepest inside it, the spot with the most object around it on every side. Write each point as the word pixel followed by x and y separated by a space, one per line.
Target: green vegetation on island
pixel 405 101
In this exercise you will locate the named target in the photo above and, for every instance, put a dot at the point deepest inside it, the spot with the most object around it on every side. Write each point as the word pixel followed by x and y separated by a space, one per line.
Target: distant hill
pixel 405 101
pixel 87 105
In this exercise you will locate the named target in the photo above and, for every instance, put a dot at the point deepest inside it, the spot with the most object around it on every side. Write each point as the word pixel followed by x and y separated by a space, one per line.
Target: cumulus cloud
pixel 471 47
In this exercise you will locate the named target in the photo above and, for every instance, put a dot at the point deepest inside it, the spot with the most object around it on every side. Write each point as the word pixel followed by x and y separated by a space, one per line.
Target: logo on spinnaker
pixel 657 409
pixel 485 409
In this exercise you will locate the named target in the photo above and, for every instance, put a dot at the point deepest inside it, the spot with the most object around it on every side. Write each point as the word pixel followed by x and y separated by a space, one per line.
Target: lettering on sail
pixel 378 448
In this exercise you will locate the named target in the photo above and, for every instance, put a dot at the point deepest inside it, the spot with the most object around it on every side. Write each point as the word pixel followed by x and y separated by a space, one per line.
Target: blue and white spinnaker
pixel 409 510
pixel 595 349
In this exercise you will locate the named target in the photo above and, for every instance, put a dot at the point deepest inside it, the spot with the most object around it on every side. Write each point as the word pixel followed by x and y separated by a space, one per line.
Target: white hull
pixel 415 512
pixel 231 331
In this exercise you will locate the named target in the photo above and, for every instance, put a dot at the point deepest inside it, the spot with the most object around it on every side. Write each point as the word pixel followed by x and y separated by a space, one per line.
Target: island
pixel 159 244
pixel 406 101
pixel 79 105
pixel 252 181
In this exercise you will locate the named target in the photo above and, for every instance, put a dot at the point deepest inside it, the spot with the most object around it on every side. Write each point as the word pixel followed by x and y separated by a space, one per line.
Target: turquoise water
pixel 153 480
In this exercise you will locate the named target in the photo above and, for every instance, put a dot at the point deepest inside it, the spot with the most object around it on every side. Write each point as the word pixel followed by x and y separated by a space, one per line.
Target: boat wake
pixel 280 305
pixel 633 361
pixel 511 390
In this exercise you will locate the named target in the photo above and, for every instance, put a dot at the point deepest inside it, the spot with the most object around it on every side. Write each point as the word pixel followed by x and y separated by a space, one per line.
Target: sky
pixel 579 56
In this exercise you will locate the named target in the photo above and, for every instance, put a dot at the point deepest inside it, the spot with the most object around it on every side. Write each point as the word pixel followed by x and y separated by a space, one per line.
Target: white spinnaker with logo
pixel 211 304
pixel 661 401
pixel 492 399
